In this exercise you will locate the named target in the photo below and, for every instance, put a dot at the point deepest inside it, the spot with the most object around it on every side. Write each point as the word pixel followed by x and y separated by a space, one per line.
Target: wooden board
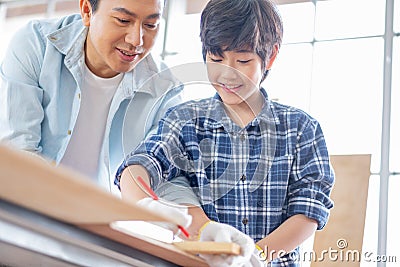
pixel 179 252
pixel 195 247
pixel 345 229
pixel 60 193
pixel 165 251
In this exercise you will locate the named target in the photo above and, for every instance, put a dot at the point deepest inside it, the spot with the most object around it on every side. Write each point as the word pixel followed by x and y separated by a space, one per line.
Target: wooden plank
pixel 65 195
pixel 166 251
pixel 60 193
pixel 197 247
pixel 344 231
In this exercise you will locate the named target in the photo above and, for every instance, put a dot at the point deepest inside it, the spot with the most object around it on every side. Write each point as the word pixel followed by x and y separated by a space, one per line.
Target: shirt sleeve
pixel 312 176
pixel 179 191
pixel 163 155
pixel 21 110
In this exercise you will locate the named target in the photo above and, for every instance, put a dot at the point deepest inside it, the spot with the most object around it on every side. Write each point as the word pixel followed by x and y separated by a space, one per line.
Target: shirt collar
pixel 70 39
pixel 267 114
pixel 219 118
pixel 152 77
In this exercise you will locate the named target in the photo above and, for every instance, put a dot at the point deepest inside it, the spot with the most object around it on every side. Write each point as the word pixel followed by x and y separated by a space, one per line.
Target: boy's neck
pixel 245 112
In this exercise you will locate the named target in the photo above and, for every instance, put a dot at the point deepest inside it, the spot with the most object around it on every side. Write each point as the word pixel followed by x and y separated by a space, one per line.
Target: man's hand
pixel 169 210
pixel 219 232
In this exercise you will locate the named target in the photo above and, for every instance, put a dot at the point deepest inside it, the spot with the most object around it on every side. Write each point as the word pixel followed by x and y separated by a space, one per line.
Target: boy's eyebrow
pixel 244 51
pixel 240 50
pixel 130 13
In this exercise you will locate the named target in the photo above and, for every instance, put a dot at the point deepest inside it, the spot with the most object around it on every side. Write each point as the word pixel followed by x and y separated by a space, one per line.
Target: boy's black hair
pixel 232 25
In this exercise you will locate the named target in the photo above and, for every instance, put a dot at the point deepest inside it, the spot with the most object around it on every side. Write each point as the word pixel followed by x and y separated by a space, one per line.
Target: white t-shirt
pixel 84 148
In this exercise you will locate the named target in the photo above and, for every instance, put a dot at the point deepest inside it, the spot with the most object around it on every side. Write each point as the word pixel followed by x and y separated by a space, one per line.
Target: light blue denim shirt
pixel 41 75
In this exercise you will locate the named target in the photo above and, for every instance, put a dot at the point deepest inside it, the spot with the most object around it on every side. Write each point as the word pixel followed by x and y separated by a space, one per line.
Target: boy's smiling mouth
pixel 230 87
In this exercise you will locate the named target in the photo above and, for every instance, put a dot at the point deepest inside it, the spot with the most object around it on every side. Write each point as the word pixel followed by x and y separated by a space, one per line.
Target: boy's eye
pixel 215 59
pixel 244 61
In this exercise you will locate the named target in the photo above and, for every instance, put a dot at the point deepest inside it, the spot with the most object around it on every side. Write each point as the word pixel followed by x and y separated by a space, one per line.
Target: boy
pixel 256 166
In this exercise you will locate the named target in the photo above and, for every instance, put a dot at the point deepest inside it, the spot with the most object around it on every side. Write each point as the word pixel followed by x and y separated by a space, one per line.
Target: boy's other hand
pixel 220 232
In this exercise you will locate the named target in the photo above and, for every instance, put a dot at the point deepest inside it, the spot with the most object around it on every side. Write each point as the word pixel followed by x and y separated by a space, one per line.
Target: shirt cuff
pixel 314 205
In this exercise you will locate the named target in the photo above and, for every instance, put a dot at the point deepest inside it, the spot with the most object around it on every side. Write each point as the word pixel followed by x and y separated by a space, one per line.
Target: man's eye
pixel 244 61
pixel 151 26
pixel 123 21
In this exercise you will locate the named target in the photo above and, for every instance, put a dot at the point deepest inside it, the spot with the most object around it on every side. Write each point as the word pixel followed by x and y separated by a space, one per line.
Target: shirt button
pixel 69 132
pixel 79 96
pixel 245 221
pixel 242 137
pixel 243 178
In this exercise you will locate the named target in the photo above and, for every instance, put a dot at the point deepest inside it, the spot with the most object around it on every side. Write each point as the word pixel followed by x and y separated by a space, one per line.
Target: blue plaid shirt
pixel 252 178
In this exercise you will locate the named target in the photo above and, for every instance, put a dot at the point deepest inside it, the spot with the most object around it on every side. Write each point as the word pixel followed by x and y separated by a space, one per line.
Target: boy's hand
pixel 219 232
pixel 169 210
pixel 257 259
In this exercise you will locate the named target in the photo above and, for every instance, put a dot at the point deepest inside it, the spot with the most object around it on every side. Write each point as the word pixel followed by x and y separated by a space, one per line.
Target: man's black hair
pixel 95 4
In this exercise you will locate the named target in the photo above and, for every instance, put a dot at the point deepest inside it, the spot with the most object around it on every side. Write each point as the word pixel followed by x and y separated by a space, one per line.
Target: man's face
pixel 121 33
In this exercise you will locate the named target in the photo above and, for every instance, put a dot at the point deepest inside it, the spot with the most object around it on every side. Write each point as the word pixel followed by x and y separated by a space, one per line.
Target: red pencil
pixel 155 197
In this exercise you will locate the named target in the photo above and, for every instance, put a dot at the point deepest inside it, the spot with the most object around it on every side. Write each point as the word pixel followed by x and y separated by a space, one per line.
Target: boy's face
pixel 236 75
pixel 121 33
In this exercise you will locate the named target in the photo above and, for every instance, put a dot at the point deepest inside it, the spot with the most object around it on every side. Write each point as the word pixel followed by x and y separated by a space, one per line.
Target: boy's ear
pixel 86 11
pixel 271 60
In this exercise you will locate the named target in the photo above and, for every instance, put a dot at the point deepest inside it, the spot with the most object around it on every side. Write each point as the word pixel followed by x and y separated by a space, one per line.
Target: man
pixel 67 84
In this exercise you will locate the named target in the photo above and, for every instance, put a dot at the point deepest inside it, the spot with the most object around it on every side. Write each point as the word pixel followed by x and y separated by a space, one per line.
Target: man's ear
pixel 271 60
pixel 86 11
